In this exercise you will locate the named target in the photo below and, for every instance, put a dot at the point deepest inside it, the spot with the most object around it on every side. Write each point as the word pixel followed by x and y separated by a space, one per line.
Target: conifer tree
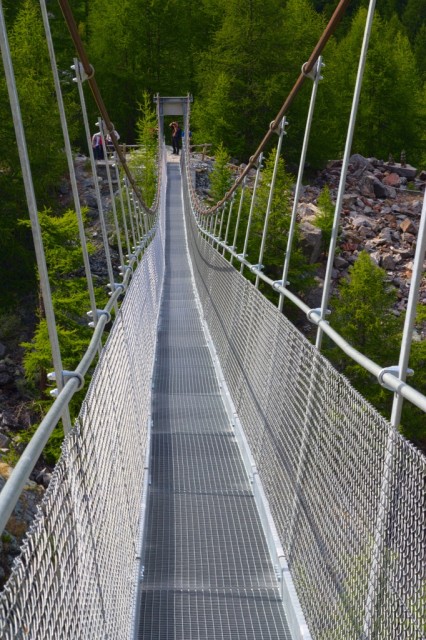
pixel 361 312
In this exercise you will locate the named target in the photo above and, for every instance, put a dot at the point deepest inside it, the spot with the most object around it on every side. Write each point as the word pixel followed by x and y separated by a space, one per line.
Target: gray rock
pixel 5 378
pixel 359 164
pixel 388 262
pixel 340 263
pixel 3 350
pixel 311 241
pixel 4 441
pixel 407 172
pixel 407 226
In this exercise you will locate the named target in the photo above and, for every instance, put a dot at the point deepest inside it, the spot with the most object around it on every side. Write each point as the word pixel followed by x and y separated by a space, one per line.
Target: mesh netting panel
pixel 346 491
pixel 76 575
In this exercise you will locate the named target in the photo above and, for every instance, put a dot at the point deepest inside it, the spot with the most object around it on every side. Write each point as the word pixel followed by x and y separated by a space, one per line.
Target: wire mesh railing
pixel 322 453
pixel 78 570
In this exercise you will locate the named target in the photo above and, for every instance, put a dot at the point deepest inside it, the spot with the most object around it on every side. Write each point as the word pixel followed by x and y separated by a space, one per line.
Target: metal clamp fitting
pixel 313 314
pixel 394 371
pixel 99 313
pixel 241 256
pixel 279 283
pixel 80 70
pixel 115 286
pixel 66 375
pixel 257 267
pixel 314 71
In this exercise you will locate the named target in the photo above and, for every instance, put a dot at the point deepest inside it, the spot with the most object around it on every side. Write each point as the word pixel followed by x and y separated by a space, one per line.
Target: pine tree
pixel 361 312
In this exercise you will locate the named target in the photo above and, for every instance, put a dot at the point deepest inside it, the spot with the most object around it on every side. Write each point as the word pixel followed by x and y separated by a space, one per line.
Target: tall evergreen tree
pixel 388 116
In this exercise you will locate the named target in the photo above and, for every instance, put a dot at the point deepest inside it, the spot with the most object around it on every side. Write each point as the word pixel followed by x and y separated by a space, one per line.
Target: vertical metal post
pixel 346 156
pixel 317 78
pixel 221 220
pixel 130 214
pixel 240 206
pixel 228 222
pixel 32 209
pixel 70 161
pixel 123 213
pixel 271 197
pixel 111 191
pixel 252 203
pixel 79 77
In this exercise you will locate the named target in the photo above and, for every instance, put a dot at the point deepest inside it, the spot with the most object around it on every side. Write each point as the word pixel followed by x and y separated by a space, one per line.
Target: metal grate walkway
pixel 207 571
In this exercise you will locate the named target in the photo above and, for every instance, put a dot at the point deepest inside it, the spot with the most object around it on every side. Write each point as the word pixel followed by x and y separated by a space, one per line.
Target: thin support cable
pixel 228 222
pixel 252 204
pixel 345 163
pixel 140 218
pixel 123 213
pixel 216 218
pixel 70 160
pixel 130 214
pixel 111 191
pixel 237 223
pixel 270 198
pixel 221 221
pixel 284 283
pixel 410 315
pixel 33 212
pixel 94 171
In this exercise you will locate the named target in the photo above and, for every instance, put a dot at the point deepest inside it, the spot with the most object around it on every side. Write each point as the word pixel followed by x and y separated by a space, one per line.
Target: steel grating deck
pixel 207 570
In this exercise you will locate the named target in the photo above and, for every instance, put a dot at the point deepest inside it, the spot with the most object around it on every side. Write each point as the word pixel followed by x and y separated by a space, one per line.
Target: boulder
pixel 407 171
pixel 407 226
pixel 388 262
pixel 358 164
pixel 392 180
pixel 310 240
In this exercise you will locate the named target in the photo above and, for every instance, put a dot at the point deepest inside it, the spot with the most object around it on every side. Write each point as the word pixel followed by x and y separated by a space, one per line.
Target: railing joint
pixel 99 313
pixel 394 371
pixel 66 375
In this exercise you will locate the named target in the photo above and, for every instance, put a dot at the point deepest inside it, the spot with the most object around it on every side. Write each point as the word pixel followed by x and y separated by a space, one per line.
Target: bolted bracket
pixel 279 283
pixel 313 314
pixel 257 267
pixel 394 371
pixel 316 69
pixel 66 375
pixel 123 270
pixel 241 256
pixel 81 73
pixel 115 286
pixel 279 129
pixel 99 313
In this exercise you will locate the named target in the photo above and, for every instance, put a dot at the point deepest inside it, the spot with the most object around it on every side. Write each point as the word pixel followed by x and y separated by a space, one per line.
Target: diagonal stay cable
pixel 274 126
pixel 89 71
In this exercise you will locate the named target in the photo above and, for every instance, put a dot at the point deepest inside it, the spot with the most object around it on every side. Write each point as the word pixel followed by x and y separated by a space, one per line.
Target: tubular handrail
pixel 386 378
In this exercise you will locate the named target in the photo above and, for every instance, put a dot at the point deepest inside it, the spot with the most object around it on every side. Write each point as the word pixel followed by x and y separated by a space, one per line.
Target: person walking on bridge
pixel 176 135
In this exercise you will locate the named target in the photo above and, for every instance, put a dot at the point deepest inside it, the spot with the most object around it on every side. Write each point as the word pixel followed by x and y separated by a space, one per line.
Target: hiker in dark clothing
pixel 176 136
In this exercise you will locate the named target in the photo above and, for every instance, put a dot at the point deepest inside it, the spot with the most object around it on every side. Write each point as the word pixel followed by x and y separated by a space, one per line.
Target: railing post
pixel 33 211
pixel 317 78
pixel 281 132
pixel 252 203
pixel 345 163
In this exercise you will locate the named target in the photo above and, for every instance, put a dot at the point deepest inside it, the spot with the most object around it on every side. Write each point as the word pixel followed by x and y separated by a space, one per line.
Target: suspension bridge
pixel 222 480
